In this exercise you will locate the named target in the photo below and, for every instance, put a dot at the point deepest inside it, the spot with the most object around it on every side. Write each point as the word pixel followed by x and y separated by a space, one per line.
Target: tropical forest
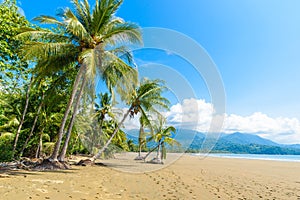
pixel 50 107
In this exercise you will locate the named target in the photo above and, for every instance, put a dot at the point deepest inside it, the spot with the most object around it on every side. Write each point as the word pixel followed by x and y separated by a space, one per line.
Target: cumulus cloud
pixel 131 123
pixel 191 114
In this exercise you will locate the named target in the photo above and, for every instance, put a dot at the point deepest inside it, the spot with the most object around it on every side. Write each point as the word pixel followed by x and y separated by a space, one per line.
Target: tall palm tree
pixel 146 98
pixel 95 42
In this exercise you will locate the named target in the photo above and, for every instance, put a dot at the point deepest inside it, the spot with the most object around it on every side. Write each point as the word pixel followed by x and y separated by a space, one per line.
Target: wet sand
pixel 186 178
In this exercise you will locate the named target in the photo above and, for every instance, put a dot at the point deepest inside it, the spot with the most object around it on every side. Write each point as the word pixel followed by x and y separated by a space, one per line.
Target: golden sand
pixel 186 178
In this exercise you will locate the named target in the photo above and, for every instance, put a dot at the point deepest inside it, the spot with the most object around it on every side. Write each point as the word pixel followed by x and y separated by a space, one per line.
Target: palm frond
pixel 35 51
pixel 123 34
pixel 76 28
pixel 53 65
pixel 171 141
pixel 103 12
pixel 39 35
pixel 44 19
pixel 83 13
pixel 124 53
pixel 91 60
pixel 118 74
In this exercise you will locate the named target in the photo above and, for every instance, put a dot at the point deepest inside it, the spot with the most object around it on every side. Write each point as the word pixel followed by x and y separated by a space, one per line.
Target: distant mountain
pixel 293 146
pixel 194 141
pixel 243 138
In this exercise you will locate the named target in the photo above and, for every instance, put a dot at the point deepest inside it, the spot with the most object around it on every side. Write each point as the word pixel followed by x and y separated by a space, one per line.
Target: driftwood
pixel 88 162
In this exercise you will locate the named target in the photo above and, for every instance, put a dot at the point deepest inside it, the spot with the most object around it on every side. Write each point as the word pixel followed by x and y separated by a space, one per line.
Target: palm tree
pixel 146 98
pixel 144 122
pixel 163 135
pixel 96 43
pixel 103 108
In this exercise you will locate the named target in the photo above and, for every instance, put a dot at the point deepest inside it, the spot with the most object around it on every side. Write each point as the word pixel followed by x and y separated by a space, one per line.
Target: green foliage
pixel 93 40
pixel 223 146
pixel 12 68
pixel 131 146
pixel 6 147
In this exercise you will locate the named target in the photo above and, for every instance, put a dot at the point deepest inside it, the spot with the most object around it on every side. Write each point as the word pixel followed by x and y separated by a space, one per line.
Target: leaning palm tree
pixel 146 98
pixel 94 42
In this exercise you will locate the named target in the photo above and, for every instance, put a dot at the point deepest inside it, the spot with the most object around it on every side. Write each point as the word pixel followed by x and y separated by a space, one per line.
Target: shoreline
pixel 266 157
pixel 187 177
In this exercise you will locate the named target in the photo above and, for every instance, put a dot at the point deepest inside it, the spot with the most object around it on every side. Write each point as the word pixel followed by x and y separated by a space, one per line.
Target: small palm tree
pixel 146 98
pixel 163 135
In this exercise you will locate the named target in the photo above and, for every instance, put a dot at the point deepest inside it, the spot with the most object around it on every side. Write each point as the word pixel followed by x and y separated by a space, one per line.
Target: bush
pixel 6 146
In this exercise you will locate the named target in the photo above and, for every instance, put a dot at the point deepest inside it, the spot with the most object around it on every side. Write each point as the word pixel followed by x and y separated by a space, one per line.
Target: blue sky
pixel 255 45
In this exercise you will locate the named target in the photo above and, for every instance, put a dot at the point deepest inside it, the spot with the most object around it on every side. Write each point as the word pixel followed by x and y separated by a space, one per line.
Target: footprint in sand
pixel 42 190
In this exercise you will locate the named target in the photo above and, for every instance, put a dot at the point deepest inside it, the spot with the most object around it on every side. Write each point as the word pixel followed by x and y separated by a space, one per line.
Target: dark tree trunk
pixel 34 124
pixel 22 117
pixel 40 147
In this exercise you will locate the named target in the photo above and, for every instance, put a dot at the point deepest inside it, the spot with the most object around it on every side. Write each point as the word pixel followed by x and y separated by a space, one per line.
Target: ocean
pixel 285 158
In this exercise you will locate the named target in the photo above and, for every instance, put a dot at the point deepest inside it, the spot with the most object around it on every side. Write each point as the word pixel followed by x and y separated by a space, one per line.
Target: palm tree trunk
pixel 64 120
pixel 93 141
pixel 158 151
pixel 150 152
pixel 63 152
pixel 140 139
pixel 34 124
pixel 23 117
pixel 113 135
pixel 40 147
pixel 140 151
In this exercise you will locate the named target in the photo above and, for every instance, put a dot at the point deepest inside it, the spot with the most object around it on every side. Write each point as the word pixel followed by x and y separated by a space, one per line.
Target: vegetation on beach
pixel 48 102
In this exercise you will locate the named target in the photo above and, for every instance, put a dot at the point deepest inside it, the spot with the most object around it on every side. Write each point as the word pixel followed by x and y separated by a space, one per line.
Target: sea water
pixel 287 158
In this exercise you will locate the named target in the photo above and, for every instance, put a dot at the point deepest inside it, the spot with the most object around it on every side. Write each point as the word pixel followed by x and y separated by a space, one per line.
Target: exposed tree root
pixel 51 165
pixel 155 161
pixel 139 158
pixel 85 162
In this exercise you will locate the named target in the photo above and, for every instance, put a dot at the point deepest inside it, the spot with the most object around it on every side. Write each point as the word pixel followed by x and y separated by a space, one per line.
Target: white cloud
pixel 192 114
pixel 21 11
pixel 132 123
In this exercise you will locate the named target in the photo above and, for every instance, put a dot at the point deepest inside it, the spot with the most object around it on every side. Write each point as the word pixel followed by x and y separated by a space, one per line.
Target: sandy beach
pixel 188 178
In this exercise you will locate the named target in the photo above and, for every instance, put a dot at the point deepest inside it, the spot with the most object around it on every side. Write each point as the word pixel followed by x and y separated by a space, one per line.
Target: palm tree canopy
pixel 147 98
pixel 104 107
pixel 163 133
pixel 94 38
